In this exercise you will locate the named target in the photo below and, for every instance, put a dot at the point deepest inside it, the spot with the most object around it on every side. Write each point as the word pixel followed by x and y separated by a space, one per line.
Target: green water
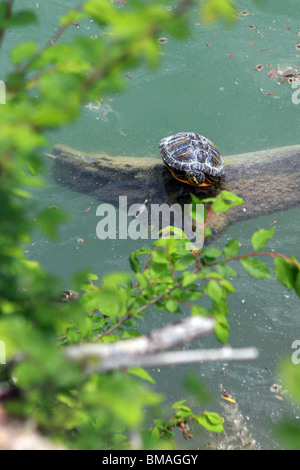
pixel 197 88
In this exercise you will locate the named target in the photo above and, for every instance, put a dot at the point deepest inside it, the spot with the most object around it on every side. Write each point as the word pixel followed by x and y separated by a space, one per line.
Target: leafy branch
pixel 40 382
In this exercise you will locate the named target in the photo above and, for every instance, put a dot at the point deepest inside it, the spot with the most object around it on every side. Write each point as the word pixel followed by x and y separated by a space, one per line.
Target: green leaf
pixel 134 263
pixel 194 386
pixel 142 251
pixel 157 269
pixel 297 284
pixel 21 18
pixel 19 192
pixel 219 308
pixel 131 334
pixel 221 329
pixel 260 238
pixel 286 272
pixel 211 421
pixel 225 270
pixel 255 268
pixel 142 279
pixel 188 278
pixel 195 199
pixel 224 201
pixel 184 413
pixel 183 262
pixel 85 326
pixel 117 279
pixel 211 252
pixel 232 248
pixel 289 370
pixel 23 51
pixel 228 286
pixel 288 434
pixel 50 219
pixel 72 16
pixel 108 299
pixel 198 310
pixel 207 232
pixel 160 256
pixel 141 373
pixel 3 11
pixel 178 404
pixel 213 9
pixel 172 306
pixel 213 290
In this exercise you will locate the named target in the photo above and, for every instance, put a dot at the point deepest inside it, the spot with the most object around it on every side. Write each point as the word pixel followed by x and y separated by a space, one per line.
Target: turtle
pixel 192 158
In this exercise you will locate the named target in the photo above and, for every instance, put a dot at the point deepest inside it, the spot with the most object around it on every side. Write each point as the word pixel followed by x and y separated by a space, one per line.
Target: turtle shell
pixel 189 153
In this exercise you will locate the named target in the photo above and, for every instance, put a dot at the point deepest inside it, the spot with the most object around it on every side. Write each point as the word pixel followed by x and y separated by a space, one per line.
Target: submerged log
pixel 267 180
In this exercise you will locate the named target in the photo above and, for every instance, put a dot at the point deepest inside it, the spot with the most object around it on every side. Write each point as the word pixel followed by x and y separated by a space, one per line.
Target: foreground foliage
pixel 45 89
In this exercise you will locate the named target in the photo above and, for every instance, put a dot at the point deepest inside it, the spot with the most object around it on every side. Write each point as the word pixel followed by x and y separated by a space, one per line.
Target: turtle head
pixel 196 178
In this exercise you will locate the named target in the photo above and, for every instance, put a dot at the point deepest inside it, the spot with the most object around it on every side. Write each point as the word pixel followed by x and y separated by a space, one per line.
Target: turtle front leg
pixel 197 178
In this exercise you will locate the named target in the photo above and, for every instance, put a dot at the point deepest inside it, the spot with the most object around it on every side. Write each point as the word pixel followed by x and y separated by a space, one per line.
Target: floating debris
pixel 236 435
pixel 279 397
pixel 231 400
pixel 259 32
pixel 268 49
pixel 102 109
pixel 251 26
pixel 275 388
pixel 69 295
pixel 289 75
pixel 94 106
pixel 259 67
pixel 162 40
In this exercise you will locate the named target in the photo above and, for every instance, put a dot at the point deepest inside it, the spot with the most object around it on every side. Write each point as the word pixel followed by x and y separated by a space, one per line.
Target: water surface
pixel 207 84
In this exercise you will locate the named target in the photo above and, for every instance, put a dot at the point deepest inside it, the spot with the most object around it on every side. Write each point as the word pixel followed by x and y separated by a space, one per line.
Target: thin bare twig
pixel 248 255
